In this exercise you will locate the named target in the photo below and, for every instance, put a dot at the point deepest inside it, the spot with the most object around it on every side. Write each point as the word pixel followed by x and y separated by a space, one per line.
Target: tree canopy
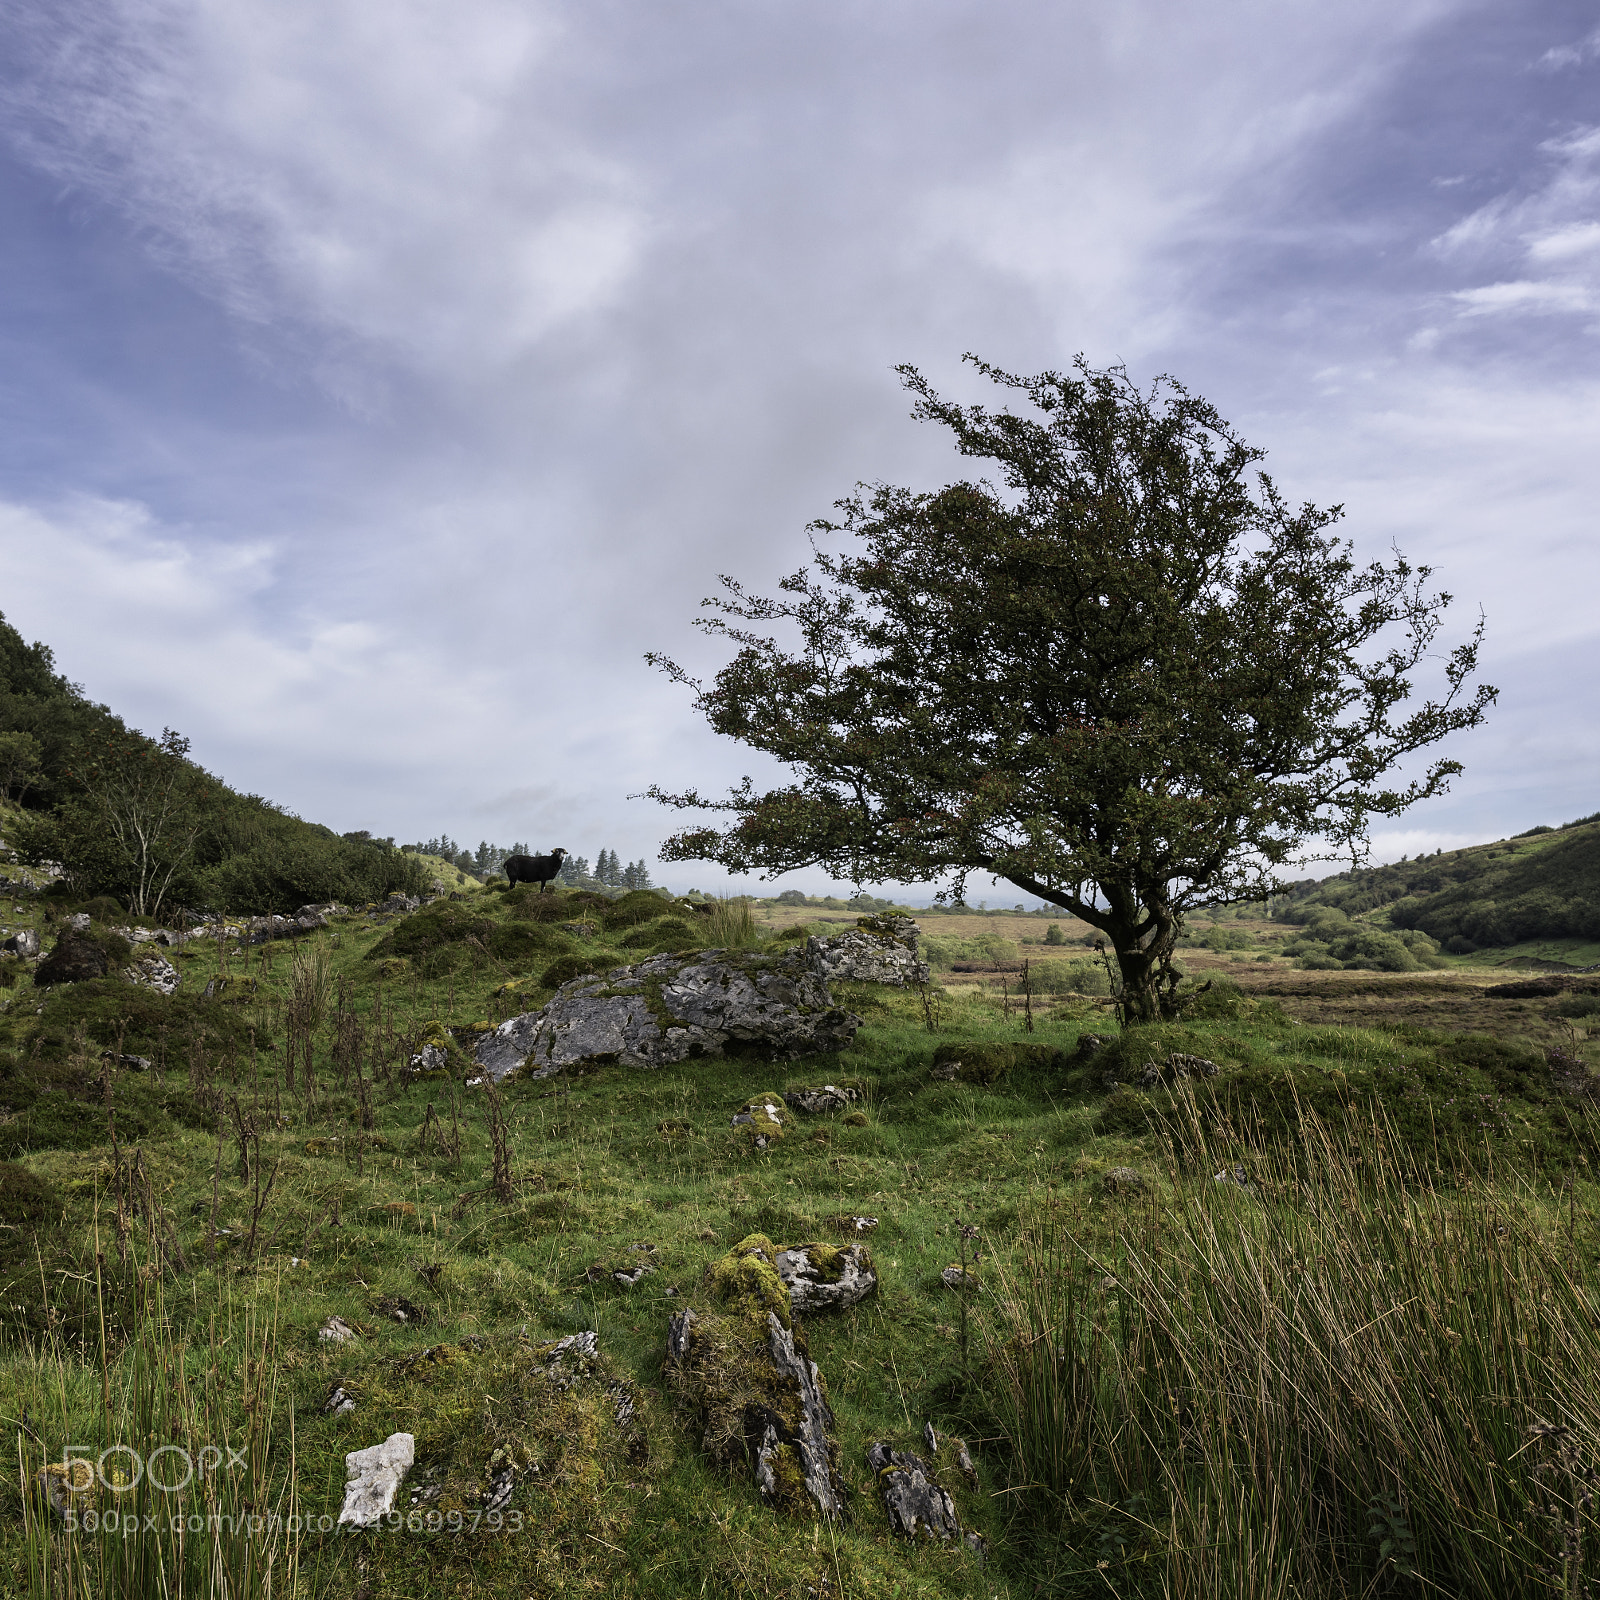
pixel 1130 678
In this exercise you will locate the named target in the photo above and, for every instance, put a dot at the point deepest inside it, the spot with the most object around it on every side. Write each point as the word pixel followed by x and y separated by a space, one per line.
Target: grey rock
pixel 811 1442
pixel 151 970
pixel 1124 1180
pixel 816 1102
pixel 930 1438
pixel 339 1400
pixel 964 1465
pixel 671 1007
pixel 1176 1066
pixel 877 950
pixel 765 1115
pixel 858 1225
pixel 373 1478
pixel 849 1276
pixel 431 1058
pixel 955 1278
pixel 680 1331
pixel 915 1502
pixel 337 1331
pixel 78 922
pixel 24 942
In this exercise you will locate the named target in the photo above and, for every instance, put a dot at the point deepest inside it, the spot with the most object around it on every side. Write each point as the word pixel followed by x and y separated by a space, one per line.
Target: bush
pixel 1068 977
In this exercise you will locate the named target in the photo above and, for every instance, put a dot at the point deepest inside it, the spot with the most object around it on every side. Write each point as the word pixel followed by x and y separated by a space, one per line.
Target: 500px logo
pixel 168 1468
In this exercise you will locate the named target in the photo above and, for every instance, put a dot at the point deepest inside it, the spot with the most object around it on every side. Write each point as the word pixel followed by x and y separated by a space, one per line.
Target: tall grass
pixel 1353 1377
pixel 731 925
pixel 152 1473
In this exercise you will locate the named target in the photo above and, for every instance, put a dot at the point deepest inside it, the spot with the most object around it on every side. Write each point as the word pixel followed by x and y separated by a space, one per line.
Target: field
pixel 1142 1378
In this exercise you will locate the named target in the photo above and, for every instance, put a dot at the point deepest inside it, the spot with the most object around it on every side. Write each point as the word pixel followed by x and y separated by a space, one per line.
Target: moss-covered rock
pixel 741 1364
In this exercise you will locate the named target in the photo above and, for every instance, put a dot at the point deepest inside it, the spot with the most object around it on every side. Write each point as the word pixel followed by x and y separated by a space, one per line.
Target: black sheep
pixel 532 869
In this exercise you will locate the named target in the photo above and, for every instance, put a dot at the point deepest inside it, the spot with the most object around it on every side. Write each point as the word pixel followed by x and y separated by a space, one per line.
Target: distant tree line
pixel 608 871
pixel 133 817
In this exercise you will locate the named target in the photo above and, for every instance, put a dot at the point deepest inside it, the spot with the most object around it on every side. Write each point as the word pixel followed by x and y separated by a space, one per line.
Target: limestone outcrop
pixel 672 1007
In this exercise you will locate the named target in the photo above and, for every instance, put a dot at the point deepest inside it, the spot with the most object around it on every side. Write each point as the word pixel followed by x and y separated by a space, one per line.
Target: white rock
pixel 373 1478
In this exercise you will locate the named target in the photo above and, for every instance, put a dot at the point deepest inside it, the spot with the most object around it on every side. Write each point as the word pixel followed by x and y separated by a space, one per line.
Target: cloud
pixel 400 173
pixel 1551 232
pixel 1559 57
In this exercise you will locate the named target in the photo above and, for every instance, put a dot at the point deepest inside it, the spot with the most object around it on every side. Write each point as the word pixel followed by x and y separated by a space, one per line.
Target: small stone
pixel 816 1102
pixel 965 1467
pixel 1124 1180
pixel 955 1278
pixel 337 1330
pixel 915 1502
pixel 373 1479
pixel 339 1400
pixel 931 1438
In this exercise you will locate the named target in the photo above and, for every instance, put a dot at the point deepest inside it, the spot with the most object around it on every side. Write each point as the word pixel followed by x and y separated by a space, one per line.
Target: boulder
pixel 672 1007
pixel 742 1364
pixel 373 1478
pixel 876 950
pixel 1160 1074
pixel 24 943
pixel 75 959
pixel 825 1277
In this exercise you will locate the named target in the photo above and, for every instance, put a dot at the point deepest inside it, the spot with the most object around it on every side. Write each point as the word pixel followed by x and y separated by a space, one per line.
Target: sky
pixel 379 382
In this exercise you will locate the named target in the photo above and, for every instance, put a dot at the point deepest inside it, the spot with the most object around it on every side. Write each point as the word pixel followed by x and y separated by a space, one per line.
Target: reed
pixel 1350 1372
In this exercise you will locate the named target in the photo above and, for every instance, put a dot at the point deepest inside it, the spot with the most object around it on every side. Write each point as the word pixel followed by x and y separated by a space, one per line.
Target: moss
pixel 745 1282
pixel 637 906
pixel 989 1063
pixel 827 1260
pixel 765 1125
pixel 568 968
pixel 664 934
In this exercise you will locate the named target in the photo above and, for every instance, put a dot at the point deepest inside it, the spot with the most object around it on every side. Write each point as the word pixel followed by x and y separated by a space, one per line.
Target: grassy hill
pixel 1536 896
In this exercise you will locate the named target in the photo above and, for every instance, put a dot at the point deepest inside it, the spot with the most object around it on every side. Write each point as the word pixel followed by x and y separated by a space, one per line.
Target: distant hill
pixel 1542 885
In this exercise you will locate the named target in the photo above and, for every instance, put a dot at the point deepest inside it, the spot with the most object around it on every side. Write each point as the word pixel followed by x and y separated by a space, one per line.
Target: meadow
pixel 1323 1324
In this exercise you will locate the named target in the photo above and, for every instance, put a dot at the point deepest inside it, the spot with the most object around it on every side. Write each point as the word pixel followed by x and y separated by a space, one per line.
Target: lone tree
pixel 1130 680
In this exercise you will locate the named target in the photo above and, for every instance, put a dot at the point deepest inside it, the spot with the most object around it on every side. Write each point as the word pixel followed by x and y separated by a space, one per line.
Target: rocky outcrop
pixel 670 1008
pixel 742 1364
pixel 876 950
pixel 817 1102
pixel 151 970
pixel 76 958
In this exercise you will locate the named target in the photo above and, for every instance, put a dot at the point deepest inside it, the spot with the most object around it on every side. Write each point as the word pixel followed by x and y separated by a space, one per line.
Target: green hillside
pixel 1541 888
pixel 132 819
